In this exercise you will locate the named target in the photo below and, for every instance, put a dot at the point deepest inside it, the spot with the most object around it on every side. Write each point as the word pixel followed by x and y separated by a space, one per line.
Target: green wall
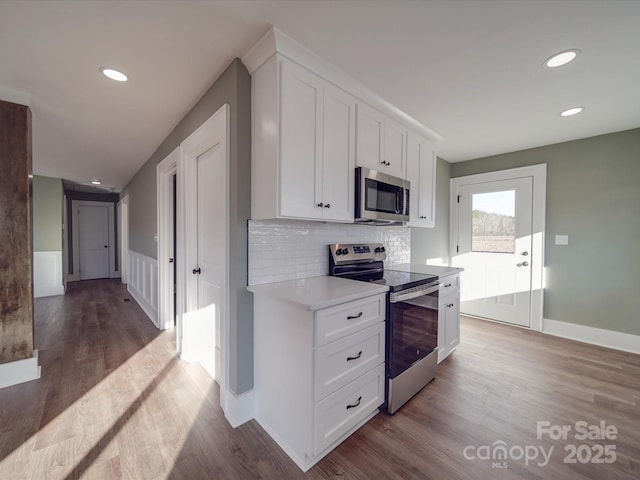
pixel 433 243
pixel 234 88
pixel 47 214
pixel 593 195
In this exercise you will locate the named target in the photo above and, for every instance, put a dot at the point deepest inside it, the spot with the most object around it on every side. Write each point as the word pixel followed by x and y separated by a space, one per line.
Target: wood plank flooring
pixel 115 402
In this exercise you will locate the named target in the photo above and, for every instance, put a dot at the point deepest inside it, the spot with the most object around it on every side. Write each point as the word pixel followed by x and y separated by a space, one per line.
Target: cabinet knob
pixel 196 271
pixel 328 205
pixel 321 205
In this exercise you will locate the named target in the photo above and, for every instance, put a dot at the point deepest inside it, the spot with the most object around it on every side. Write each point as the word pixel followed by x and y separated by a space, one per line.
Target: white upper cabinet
pixel 338 154
pixel 300 149
pixel 381 142
pixel 311 124
pixel 421 173
pixel 303 158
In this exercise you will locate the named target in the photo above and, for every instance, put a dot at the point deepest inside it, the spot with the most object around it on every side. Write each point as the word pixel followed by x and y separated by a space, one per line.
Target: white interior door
pixel 204 156
pixel 495 249
pixel 93 239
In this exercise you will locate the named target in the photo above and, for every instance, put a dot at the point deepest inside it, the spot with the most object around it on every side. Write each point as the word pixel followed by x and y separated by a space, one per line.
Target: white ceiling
pixel 470 70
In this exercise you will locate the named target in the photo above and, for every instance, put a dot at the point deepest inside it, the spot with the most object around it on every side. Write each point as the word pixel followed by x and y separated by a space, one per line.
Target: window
pixel 493 224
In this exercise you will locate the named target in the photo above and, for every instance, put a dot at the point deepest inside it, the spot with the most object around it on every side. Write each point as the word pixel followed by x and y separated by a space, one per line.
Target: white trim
pixel 538 224
pixel 238 409
pixel 274 41
pixel 165 171
pixel 113 273
pixel 20 371
pixel 47 274
pixel 626 342
pixel 143 283
pixel 14 96
pixel 123 217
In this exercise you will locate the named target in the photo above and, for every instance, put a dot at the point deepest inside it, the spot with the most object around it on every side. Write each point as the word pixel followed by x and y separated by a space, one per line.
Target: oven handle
pixel 401 297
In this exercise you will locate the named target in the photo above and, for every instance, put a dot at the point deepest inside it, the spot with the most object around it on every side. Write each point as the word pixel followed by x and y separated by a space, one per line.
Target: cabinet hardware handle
pixel 524 254
pixel 355 404
pixel 356 357
pixel 171 260
pixel 352 317
pixel 328 205
pixel 196 271
pixel 321 205
pixel 447 285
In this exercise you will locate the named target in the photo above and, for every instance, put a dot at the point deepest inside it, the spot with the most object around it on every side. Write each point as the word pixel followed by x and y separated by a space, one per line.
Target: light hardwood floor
pixel 115 402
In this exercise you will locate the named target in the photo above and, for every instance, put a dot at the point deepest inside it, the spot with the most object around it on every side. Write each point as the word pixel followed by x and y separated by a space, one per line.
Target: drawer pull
pixel 355 404
pixel 447 285
pixel 356 357
pixel 352 317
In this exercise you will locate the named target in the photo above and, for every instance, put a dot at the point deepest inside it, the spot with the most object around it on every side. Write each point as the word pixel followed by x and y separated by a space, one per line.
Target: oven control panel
pixel 344 253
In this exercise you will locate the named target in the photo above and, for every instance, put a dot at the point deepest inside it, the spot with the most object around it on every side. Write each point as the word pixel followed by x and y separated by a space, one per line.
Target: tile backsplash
pixel 291 249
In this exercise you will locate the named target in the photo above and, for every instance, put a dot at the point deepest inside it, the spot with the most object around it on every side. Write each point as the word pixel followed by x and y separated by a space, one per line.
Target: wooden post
pixel 16 264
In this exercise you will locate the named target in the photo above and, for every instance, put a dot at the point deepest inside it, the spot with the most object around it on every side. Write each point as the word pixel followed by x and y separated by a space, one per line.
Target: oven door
pixel 412 331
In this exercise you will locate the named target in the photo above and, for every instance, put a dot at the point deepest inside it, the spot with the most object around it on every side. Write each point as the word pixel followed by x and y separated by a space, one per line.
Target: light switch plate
pixel 562 239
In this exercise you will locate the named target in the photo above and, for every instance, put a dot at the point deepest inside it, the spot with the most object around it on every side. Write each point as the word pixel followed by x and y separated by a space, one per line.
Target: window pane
pixel 494 222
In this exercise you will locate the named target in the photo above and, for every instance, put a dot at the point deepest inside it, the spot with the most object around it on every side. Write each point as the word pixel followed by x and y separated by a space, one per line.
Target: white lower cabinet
pixel 319 375
pixel 448 316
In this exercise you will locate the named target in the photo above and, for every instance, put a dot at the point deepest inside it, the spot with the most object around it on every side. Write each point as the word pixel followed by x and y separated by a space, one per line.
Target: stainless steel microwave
pixel 380 198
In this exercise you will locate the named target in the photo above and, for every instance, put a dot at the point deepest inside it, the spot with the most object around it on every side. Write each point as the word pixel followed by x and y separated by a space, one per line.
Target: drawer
pixel 336 322
pixel 344 360
pixel 341 411
pixel 450 284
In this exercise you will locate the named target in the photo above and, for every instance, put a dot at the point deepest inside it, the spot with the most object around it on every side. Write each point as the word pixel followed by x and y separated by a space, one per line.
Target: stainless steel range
pixel 412 317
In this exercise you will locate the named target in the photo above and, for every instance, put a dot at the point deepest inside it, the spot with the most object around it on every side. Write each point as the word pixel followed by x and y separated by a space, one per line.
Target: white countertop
pixel 318 292
pixel 440 272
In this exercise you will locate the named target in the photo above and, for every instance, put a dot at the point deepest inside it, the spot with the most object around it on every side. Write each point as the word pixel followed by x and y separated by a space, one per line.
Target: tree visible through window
pixel 494 222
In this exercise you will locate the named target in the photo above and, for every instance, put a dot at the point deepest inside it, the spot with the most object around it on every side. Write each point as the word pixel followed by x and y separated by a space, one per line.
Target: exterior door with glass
pixel 494 247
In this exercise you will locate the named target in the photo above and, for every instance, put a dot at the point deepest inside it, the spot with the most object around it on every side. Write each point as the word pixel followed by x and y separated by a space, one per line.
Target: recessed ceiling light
pixel 96 182
pixel 571 111
pixel 114 74
pixel 561 58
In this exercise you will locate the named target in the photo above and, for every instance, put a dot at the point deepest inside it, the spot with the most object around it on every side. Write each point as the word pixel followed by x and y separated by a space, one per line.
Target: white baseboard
pixel 595 336
pixel 238 409
pixel 47 274
pixel 20 371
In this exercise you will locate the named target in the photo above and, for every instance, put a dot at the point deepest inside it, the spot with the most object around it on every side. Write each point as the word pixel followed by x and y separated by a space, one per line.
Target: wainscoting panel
pixel 47 274
pixel 143 283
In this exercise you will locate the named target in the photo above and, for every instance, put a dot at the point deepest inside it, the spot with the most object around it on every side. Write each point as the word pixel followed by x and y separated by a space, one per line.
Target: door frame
pixel 165 170
pixel 186 205
pixel 539 176
pixel 123 215
pixel 113 273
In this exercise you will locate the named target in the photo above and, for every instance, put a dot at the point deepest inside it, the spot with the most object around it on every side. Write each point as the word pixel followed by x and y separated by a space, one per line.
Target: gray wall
pixel 593 195
pixel 433 243
pixel 234 88
pixel 47 214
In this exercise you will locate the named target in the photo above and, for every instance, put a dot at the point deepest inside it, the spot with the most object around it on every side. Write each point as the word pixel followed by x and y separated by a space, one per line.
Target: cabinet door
pixel 338 166
pixel 300 189
pixel 448 325
pixel 421 172
pixel 395 141
pixel 369 137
